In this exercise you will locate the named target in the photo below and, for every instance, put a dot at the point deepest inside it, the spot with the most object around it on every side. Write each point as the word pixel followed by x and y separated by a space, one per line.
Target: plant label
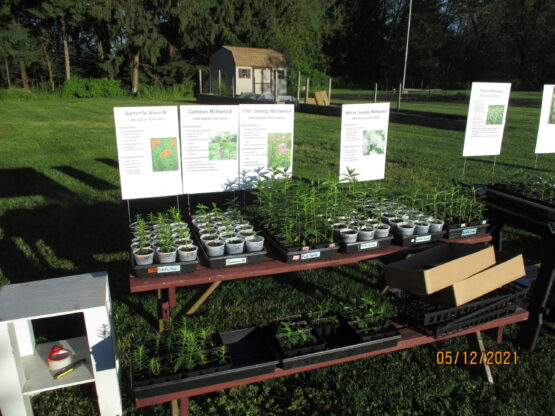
pixel 266 133
pixel 364 140
pixel 237 260
pixel 423 238
pixel 546 132
pixel 369 245
pixel 310 255
pixel 169 269
pixel 487 113
pixel 209 147
pixel 469 231
pixel 148 151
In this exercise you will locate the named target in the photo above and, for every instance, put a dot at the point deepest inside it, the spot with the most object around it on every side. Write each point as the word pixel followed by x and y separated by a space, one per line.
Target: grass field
pixel 61 213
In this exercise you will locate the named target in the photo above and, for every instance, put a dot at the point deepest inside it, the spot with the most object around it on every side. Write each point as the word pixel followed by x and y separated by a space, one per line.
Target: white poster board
pixel 364 140
pixel 546 132
pixel 209 147
pixel 266 132
pixel 148 151
pixel 487 113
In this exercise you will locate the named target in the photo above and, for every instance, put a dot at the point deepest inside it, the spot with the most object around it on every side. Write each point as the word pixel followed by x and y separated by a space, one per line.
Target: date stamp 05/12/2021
pixel 476 357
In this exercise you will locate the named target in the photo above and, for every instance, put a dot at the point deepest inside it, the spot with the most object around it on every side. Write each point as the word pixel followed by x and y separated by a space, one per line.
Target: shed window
pixel 244 73
pixel 280 74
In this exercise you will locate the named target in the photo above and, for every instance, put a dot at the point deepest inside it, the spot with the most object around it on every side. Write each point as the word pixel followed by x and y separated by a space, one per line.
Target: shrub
pixel 185 89
pixel 91 87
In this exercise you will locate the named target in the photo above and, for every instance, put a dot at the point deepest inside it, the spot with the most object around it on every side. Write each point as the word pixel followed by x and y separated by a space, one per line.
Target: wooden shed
pixel 250 70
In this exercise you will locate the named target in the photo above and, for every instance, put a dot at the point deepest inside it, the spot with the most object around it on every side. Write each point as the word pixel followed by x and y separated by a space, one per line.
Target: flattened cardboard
pixel 439 267
pixel 508 267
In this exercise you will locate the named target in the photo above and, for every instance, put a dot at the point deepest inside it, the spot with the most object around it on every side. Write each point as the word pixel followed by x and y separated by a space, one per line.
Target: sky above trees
pixel 358 42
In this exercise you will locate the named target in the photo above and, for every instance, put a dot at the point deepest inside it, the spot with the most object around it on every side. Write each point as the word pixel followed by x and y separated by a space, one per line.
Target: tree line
pixel 357 42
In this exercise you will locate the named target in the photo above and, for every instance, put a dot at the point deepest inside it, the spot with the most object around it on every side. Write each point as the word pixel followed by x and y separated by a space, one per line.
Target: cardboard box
pixel 439 267
pixel 508 267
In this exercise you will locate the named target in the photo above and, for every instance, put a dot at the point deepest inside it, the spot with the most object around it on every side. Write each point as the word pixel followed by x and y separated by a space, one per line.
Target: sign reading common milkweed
pixel 164 154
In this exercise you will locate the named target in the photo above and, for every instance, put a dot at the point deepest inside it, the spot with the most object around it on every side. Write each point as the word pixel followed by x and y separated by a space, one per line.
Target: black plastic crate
pixel 374 244
pixel 467 231
pixel 519 203
pixel 302 254
pixel 250 353
pixel 414 240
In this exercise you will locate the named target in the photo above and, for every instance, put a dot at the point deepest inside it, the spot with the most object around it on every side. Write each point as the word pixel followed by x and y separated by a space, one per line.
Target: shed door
pixel 262 80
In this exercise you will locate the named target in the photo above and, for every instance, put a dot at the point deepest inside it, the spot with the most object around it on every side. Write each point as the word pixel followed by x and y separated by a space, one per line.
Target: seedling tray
pixel 530 207
pixel 327 251
pixel 436 319
pixel 250 356
pixel 163 269
pixel 343 343
pixel 470 230
pixel 414 240
pixel 230 260
pixel 374 244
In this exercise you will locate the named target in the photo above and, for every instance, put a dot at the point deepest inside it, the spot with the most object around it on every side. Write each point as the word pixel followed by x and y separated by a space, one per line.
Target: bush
pixel 91 87
pixel 176 91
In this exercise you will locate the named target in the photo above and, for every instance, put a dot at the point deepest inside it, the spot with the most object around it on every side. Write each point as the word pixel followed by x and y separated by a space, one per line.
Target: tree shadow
pixel 307 288
pixel 87 178
pixel 27 182
pixel 510 165
pixel 110 162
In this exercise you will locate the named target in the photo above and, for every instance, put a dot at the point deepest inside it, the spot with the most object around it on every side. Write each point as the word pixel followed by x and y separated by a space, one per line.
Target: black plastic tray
pixel 250 356
pixel 435 320
pixel 163 269
pixel 230 260
pixel 467 231
pixel 310 254
pixel 344 343
pixel 374 244
pixel 531 208
pixel 414 240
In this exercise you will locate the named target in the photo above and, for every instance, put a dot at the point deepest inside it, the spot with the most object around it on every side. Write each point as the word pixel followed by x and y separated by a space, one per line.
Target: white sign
pixel 148 151
pixel 364 140
pixel 546 132
pixel 487 112
pixel 209 148
pixel 266 133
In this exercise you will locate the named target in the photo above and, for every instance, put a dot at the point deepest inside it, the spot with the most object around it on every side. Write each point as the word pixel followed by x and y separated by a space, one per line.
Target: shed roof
pixel 268 58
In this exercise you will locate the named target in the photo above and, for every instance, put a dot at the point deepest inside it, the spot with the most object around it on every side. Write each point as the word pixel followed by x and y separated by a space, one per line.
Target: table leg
pixel 497 236
pixel 163 297
pixel 202 298
pixel 175 407
pixel 184 406
pixel 476 343
pixel 530 330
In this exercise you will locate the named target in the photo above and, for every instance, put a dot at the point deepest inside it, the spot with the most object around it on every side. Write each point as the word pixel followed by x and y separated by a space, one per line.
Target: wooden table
pixel 166 285
pixel 409 339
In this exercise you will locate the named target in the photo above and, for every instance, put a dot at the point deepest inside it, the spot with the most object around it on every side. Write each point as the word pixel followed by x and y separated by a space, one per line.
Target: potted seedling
pixel 167 250
pixel 143 253
pixel 234 245
pixel 253 242
pixel 214 247
pixel 421 227
pixel 381 230
pixel 406 228
pixel 187 252
pixel 348 235
pixel 366 233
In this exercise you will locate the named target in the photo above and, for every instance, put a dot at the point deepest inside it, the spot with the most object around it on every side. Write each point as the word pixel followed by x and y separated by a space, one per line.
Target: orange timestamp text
pixel 476 357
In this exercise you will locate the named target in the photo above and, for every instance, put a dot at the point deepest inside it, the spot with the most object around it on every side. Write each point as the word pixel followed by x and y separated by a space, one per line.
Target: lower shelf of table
pixel 38 376
pixel 409 338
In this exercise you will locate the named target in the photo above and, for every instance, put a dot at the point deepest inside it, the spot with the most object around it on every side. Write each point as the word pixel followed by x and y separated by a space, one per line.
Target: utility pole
pixel 407 45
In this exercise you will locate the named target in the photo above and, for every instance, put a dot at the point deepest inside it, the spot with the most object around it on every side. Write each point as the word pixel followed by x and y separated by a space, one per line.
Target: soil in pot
pixel 366 233
pixel 187 252
pixel 348 235
pixel 234 245
pixel 166 256
pixel 215 248
pixel 381 230
pixel 143 256
pixel 254 243
pixel 406 228
pixel 421 227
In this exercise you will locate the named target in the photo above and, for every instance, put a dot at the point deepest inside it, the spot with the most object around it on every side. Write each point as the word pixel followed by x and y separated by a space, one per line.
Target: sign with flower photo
pixel 546 132
pixel 148 151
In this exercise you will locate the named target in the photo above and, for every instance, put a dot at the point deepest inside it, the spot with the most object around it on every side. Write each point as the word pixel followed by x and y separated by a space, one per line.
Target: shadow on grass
pixel 27 182
pixel 110 162
pixel 87 178
pixel 309 289
pixel 510 165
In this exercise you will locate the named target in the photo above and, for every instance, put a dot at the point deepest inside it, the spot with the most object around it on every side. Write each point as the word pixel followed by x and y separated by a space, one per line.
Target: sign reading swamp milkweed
pixel 209 140
pixel 364 140
pixel 148 151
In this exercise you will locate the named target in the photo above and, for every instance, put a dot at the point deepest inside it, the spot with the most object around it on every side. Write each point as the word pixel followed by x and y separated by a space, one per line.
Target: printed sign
pixel 209 146
pixel 364 140
pixel 266 133
pixel 546 132
pixel 148 151
pixel 487 113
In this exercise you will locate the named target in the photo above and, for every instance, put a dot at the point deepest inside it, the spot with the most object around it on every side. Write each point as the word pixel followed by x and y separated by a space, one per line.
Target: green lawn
pixel 61 213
